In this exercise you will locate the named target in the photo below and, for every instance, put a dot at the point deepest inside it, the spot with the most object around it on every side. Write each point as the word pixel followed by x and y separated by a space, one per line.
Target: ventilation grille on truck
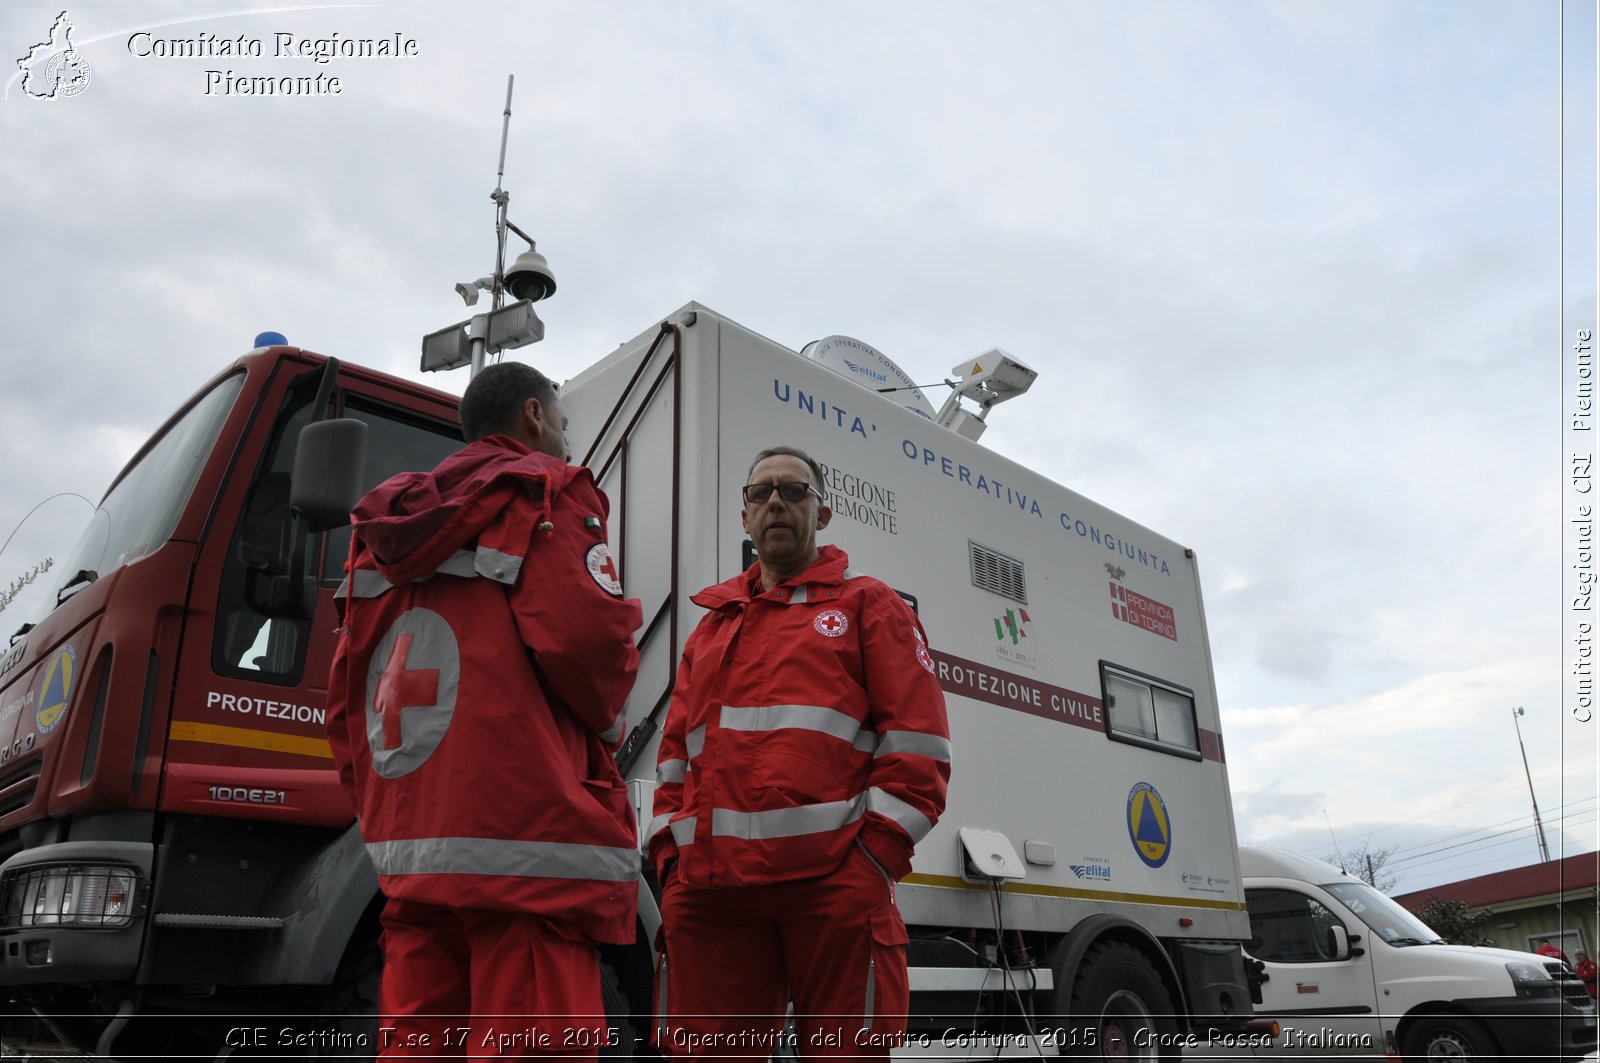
pixel 17 785
pixel 994 571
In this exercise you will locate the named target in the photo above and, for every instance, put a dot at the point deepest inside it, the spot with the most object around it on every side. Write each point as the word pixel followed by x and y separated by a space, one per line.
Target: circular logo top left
pixel 54 69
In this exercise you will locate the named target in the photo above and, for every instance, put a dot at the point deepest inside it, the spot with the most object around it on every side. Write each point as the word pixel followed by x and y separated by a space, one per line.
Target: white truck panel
pixel 1023 681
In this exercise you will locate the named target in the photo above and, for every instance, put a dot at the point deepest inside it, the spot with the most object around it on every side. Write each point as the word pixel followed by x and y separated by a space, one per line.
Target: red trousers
pixel 476 984
pixel 734 957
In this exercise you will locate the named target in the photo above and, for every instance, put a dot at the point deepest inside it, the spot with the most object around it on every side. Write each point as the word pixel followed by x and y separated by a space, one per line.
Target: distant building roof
pixel 1520 883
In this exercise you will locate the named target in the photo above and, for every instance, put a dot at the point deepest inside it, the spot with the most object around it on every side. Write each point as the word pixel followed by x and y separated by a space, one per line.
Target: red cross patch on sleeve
pixel 603 570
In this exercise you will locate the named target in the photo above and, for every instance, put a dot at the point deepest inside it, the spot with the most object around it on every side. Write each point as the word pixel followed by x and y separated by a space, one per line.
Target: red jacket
pixel 478 687
pixel 1551 951
pixel 802 717
pixel 1588 974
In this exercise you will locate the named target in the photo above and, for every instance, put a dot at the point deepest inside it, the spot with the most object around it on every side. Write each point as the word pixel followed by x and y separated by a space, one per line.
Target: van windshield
pixel 1387 919
pixel 139 513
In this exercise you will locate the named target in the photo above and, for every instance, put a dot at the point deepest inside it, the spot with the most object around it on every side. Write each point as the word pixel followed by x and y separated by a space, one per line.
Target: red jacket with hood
pixel 802 718
pixel 478 687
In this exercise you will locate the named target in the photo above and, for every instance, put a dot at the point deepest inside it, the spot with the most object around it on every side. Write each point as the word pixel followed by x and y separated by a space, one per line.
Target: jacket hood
pixel 413 521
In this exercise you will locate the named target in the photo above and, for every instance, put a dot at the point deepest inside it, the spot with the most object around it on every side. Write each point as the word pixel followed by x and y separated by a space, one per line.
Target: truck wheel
pixel 1448 1039
pixel 351 1003
pixel 1120 1002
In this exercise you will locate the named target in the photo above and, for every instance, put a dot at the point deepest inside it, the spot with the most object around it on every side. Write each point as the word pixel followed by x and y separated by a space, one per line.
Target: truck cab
pixel 1350 972
pixel 173 839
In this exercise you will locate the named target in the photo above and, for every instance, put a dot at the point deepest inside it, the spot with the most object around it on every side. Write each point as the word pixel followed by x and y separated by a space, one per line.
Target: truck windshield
pixel 1387 919
pixel 139 513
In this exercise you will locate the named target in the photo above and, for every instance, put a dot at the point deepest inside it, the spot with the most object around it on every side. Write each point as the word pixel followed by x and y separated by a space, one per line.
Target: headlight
pixel 1531 980
pixel 68 895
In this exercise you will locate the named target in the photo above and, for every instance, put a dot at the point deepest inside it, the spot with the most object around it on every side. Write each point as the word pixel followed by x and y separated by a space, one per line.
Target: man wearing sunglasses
pixel 805 753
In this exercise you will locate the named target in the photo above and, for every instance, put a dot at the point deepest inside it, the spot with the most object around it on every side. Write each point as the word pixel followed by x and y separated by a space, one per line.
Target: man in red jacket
pixel 476 698
pixel 805 754
pixel 1588 973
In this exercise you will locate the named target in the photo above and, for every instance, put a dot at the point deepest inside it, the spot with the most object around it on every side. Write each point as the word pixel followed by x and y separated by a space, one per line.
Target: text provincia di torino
pixel 318 50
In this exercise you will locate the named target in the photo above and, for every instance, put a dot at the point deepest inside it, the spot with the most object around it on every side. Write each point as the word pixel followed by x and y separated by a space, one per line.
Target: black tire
pixel 1448 1039
pixel 1120 1003
pixel 350 1006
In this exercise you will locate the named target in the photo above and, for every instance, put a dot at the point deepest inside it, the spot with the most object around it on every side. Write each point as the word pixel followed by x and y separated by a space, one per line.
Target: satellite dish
pixel 870 368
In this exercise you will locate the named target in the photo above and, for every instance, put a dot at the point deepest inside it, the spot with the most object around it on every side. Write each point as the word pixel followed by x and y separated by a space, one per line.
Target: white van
pixel 1352 974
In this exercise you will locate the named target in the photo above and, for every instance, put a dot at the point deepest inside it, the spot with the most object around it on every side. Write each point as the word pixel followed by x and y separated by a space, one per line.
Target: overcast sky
pixel 1290 273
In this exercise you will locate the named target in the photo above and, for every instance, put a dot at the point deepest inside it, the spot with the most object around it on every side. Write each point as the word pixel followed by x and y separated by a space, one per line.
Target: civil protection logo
pixel 54 69
pixel 1149 825
pixel 55 690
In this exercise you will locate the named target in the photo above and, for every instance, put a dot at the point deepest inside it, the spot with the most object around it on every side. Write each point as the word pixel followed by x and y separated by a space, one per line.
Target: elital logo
pixel 54 69
pixel 1094 871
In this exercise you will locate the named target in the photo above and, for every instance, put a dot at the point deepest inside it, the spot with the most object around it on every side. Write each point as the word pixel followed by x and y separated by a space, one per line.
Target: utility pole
pixel 1544 849
pixel 529 280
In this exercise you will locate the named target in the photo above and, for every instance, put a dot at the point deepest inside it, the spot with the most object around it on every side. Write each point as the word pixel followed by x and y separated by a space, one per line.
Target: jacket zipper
pixel 661 1002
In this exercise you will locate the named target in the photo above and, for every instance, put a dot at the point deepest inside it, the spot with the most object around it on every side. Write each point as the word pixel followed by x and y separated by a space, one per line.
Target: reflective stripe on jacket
pixel 478 687
pixel 802 717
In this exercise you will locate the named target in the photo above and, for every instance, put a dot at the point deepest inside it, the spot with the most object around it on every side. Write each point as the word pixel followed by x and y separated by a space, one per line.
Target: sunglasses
pixel 755 494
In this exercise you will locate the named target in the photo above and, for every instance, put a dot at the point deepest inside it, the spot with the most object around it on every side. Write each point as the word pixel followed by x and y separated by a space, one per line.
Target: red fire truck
pixel 175 841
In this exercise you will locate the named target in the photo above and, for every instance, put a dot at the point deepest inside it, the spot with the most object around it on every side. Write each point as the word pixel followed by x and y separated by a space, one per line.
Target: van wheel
pixel 1120 1007
pixel 1448 1039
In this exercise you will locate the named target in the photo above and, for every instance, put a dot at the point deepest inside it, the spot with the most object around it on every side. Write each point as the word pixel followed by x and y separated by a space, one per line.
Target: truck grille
pixel 1571 988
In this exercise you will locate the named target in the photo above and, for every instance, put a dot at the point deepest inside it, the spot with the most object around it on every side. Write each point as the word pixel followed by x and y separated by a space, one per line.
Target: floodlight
pixel 447 348
pixel 987 380
pixel 514 326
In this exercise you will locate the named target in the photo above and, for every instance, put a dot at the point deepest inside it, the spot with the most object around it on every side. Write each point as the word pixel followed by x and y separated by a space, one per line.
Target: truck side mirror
pixel 328 461
pixel 326 483
pixel 1339 940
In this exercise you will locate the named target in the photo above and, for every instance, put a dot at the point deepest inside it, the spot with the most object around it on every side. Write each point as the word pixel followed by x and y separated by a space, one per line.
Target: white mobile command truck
pixel 1086 864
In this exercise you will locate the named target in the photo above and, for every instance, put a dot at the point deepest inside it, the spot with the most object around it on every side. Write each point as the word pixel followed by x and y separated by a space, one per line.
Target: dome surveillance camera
pixel 530 277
